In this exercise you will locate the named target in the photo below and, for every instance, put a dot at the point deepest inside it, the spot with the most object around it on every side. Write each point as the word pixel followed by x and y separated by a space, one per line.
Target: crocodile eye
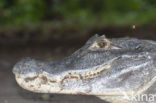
pixel 102 44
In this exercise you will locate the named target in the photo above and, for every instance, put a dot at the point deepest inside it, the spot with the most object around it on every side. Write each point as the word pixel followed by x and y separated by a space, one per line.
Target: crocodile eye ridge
pixel 102 43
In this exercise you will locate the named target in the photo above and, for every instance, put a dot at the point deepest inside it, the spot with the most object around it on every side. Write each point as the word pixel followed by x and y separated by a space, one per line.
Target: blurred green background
pixel 25 21
pixel 107 12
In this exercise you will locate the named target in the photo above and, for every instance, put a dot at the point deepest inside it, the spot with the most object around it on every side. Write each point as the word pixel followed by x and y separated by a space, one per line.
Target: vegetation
pixel 107 12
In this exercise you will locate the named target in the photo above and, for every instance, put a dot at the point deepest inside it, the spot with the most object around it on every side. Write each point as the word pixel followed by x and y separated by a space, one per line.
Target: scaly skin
pixel 107 68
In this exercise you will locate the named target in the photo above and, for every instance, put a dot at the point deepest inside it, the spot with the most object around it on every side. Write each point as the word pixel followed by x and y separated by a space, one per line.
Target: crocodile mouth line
pixel 45 82
pixel 41 85
pixel 41 81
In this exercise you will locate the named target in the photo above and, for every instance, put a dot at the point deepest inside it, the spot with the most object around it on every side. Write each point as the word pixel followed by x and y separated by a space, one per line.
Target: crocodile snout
pixel 26 66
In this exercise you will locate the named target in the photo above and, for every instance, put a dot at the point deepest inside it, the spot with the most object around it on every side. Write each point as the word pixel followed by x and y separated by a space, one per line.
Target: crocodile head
pixel 101 67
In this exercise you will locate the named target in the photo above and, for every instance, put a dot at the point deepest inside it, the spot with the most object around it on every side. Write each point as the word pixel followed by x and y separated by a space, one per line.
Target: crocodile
pixel 110 68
